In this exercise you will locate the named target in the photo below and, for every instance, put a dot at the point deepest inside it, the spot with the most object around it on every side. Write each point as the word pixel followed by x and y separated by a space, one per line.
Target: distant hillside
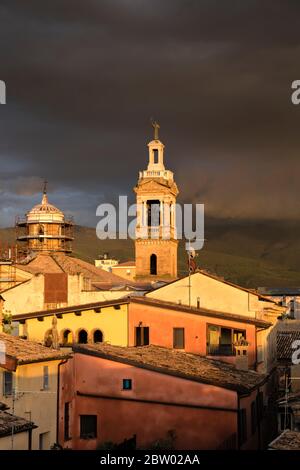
pixel 248 253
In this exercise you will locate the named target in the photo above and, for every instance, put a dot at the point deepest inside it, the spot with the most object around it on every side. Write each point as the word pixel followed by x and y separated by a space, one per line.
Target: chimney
pixel 241 354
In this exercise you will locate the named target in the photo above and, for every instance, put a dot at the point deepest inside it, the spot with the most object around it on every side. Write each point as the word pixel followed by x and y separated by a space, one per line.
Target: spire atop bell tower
pixel 156 151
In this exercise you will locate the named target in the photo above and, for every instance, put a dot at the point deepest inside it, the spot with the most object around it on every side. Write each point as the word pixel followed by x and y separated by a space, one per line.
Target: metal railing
pixel 220 350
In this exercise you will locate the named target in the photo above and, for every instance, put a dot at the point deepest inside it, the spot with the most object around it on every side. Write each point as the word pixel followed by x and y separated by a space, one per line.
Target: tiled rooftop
pixel 61 263
pixel 288 440
pixel 284 341
pixel 177 363
pixel 25 351
pixel 10 422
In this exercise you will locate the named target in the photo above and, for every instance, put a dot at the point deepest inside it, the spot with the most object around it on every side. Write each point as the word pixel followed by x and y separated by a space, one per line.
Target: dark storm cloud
pixel 84 77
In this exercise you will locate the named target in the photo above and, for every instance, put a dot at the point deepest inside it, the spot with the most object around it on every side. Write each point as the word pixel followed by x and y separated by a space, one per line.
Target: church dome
pixel 45 212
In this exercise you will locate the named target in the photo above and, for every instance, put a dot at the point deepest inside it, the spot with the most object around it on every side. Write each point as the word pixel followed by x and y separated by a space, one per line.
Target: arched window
pixel 98 336
pixel 82 337
pixel 67 337
pixel 153 264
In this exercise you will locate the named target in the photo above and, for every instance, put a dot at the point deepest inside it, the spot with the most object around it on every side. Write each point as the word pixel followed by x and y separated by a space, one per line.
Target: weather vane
pixel 156 126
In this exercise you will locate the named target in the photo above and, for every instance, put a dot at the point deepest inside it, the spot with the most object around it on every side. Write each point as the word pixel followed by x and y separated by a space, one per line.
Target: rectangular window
pixel 141 335
pixel 7 383
pixel 253 417
pixel 178 338
pixel 220 340
pixel 155 155
pixel 46 378
pixel 88 426
pixel 242 426
pixel 127 384
pixel 67 422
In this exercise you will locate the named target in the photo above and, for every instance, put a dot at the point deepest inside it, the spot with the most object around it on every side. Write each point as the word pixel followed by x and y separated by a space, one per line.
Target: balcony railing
pixel 154 232
pixel 220 350
pixel 166 174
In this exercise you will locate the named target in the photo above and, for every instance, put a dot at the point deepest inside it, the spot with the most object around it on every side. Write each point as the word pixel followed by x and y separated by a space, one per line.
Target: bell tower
pixel 156 191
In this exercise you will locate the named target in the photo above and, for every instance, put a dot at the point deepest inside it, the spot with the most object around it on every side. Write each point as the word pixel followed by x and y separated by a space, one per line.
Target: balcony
pixel 165 174
pixel 156 232
pixel 220 350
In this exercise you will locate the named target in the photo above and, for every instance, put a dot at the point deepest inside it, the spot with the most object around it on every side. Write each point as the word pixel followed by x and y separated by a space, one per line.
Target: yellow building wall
pixel 113 324
pixel 32 402
pixel 19 442
pixel 212 294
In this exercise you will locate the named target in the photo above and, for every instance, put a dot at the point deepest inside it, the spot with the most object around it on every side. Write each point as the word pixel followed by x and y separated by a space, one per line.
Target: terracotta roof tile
pixel 288 440
pixel 178 363
pixel 24 351
pixel 10 422
pixel 61 263
pixel 284 341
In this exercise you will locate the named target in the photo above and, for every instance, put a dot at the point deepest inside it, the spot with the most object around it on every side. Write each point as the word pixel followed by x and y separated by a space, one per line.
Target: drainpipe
pixel 57 400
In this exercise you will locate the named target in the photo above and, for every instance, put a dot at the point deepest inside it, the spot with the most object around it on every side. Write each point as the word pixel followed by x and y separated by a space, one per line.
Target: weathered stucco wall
pixel 196 423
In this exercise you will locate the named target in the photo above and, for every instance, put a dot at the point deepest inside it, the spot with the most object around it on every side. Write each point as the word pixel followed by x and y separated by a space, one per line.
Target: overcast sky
pixel 84 77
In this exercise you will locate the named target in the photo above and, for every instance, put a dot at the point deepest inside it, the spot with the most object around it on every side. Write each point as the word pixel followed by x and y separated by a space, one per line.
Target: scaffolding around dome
pixel 45 229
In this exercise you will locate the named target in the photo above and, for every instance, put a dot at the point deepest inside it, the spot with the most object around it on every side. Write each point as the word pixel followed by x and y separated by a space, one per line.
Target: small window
pixel 82 337
pixel 7 383
pixel 88 426
pixel 178 338
pixel 67 421
pixel 98 336
pixel 46 378
pixel 127 384
pixel 155 155
pixel 142 336
pixel 153 264
pixel 243 426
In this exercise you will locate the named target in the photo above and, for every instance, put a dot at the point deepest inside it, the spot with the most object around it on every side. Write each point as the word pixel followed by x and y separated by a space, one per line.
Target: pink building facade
pixel 109 394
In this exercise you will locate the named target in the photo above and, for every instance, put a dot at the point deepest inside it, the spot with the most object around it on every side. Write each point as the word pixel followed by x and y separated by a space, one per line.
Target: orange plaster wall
pixel 161 322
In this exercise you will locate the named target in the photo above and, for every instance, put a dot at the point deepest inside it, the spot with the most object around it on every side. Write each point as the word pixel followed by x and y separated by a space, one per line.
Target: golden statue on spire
pixel 156 126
